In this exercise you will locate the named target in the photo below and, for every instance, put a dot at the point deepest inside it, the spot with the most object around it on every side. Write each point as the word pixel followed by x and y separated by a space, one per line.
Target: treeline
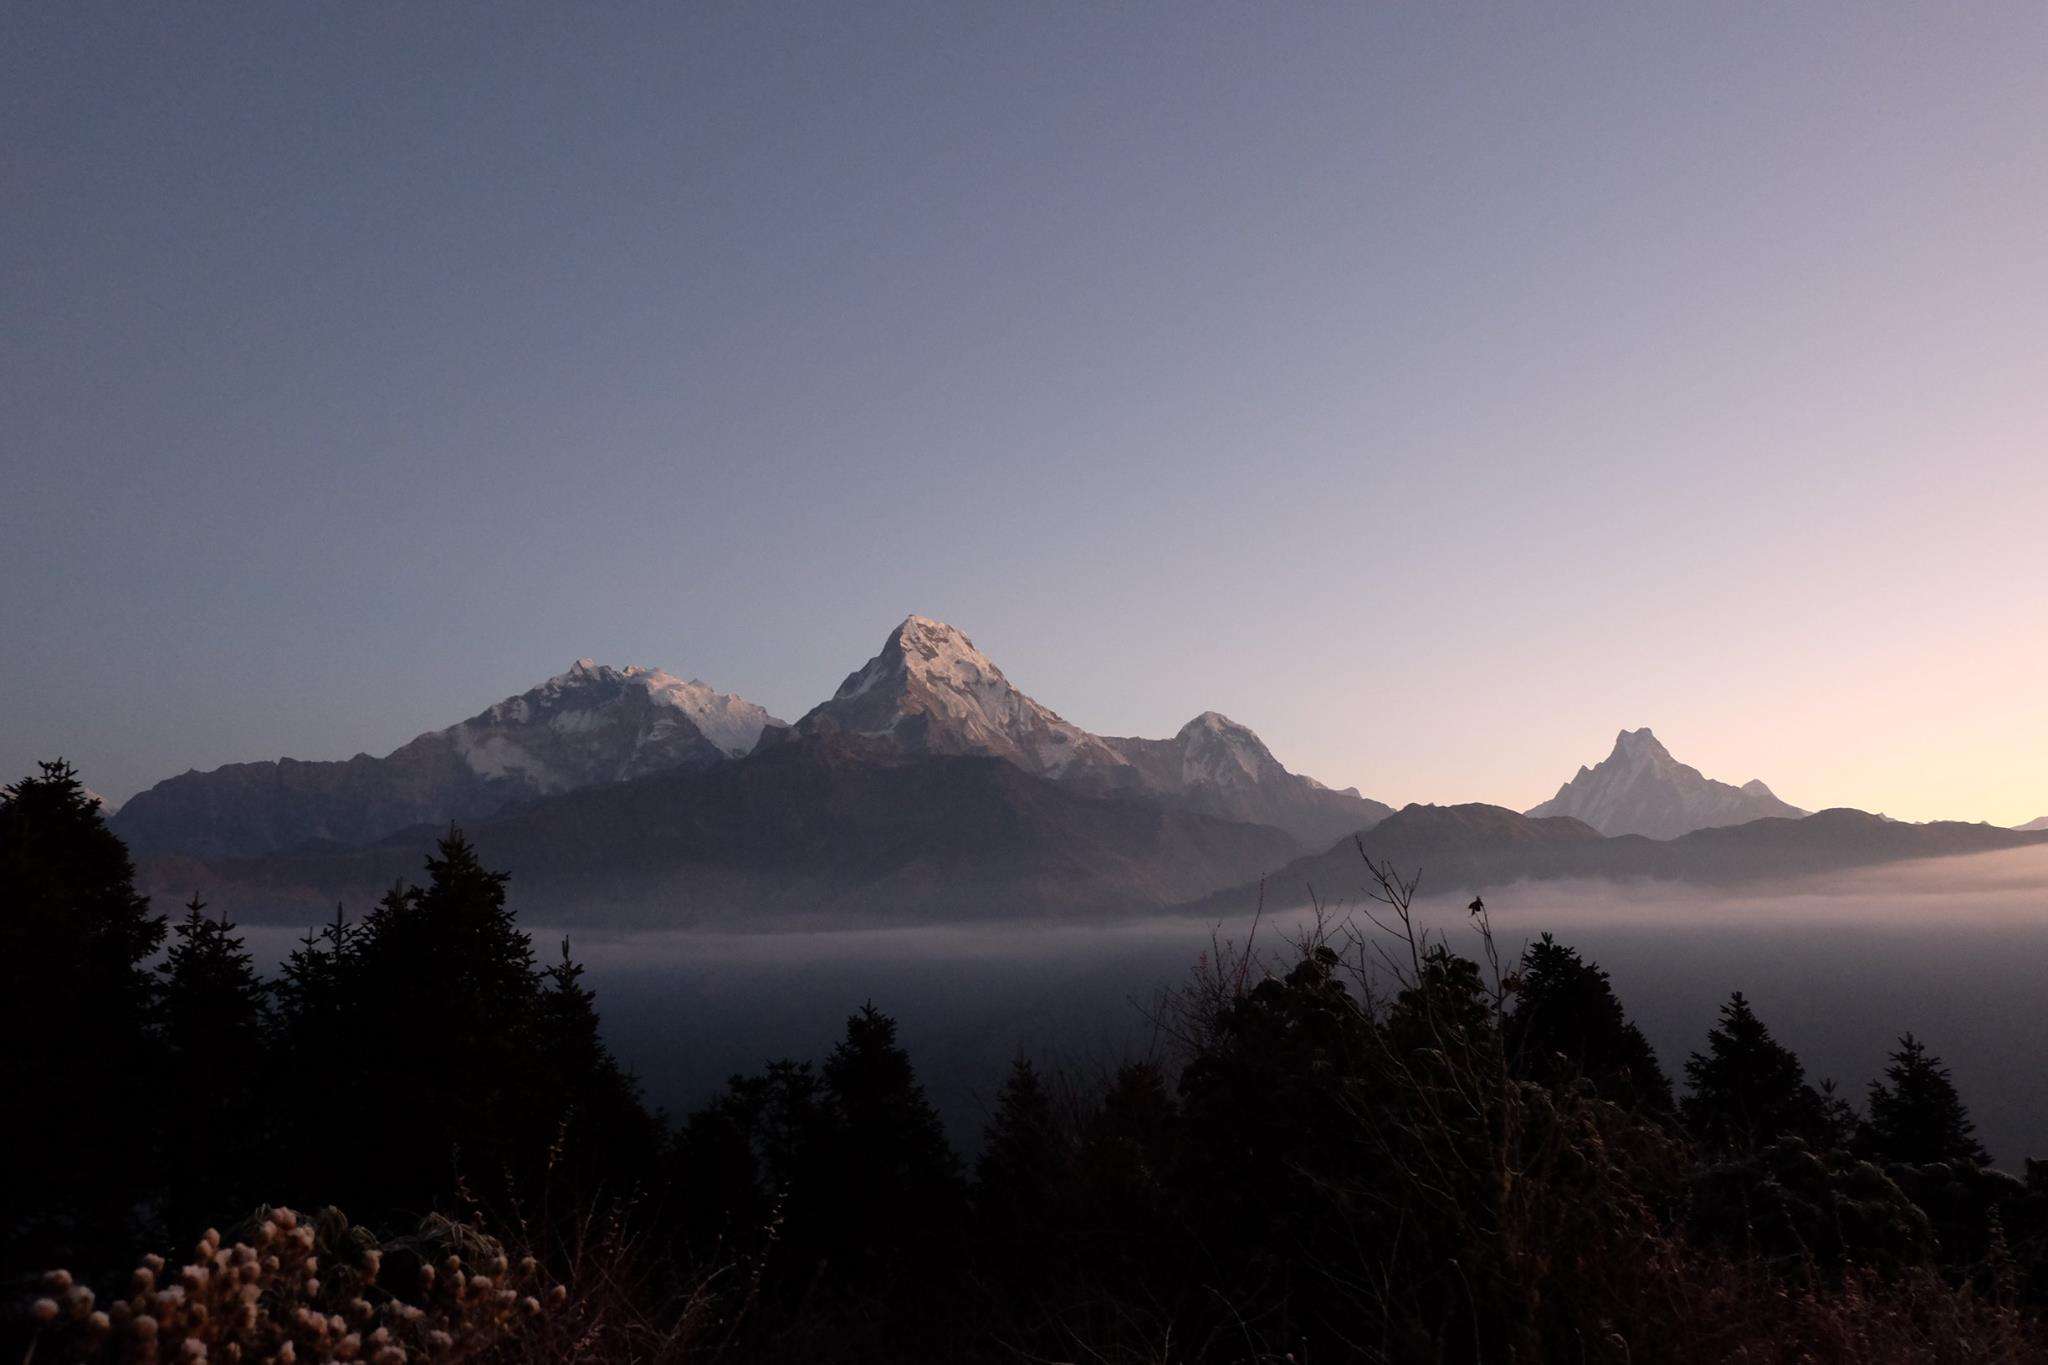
pixel 1373 1149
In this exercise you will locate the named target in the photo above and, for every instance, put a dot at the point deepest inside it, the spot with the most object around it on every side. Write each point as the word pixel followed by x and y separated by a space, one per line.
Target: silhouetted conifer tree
pixel 1025 1164
pixel 1566 1022
pixel 606 1140
pixel 1271 1092
pixel 320 1041
pixel 1124 1176
pixel 214 1015
pixel 1916 1114
pixel 1840 1123
pixel 887 1165
pixel 1747 1090
pixel 469 1068
pixel 75 1010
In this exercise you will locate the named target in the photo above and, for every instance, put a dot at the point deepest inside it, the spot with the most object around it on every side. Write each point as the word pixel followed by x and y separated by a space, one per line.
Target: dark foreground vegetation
pixel 1367 1148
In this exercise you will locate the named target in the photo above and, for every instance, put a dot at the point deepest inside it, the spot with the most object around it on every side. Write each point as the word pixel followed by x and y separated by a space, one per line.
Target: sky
pixel 1436 389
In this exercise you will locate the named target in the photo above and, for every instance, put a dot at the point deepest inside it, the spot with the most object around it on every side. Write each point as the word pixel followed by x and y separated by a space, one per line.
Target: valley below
pixel 1840 964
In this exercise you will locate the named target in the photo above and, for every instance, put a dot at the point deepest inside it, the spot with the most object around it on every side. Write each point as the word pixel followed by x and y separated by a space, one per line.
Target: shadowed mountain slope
pixel 1462 850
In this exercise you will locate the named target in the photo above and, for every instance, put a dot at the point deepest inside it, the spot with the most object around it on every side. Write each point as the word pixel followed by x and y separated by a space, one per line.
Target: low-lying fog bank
pixel 1954 949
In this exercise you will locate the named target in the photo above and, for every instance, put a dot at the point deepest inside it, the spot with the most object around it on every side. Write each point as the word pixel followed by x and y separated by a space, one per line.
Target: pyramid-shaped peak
pixel 931 648
pixel 1641 789
pixel 1214 722
pixel 929 690
pixel 1640 741
pixel 928 637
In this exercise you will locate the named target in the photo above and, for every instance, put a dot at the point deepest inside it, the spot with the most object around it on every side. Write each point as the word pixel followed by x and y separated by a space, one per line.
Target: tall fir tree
pixel 1567 1022
pixel 76 1006
pixel 214 1017
pixel 1748 1090
pixel 1025 1166
pixel 1915 1113
pixel 885 1178
pixel 467 1065
pixel 318 1048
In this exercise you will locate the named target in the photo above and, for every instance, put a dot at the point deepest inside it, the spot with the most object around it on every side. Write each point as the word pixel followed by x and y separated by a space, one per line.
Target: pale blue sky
pixel 1436 389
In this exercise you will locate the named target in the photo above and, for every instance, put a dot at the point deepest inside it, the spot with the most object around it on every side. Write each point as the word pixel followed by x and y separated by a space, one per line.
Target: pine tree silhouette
pixel 488 1061
pixel 214 1016
pixel 1918 1117
pixel 320 1036
pixel 1747 1090
pixel 1025 1164
pixel 1567 1022
pixel 884 1179
pixel 75 1012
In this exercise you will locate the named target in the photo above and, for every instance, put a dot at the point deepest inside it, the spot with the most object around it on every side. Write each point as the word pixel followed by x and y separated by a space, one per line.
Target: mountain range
pixel 927 786
pixel 593 724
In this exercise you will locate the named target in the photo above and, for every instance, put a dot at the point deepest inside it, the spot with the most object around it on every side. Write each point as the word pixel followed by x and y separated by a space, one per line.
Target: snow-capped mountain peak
pixel 931 691
pixel 1217 751
pixel 590 724
pixel 1639 788
pixel 595 722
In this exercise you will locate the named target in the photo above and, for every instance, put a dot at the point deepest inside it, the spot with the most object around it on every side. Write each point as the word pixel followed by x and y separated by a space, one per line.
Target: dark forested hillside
pixel 1469 848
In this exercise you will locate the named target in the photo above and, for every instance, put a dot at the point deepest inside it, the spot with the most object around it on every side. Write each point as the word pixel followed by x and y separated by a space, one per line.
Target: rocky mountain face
pixel 930 691
pixel 593 724
pixel 1219 767
pixel 1641 789
pixel 2032 825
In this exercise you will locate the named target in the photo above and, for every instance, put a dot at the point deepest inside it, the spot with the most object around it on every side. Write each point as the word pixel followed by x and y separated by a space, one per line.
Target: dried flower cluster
pixel 304 1290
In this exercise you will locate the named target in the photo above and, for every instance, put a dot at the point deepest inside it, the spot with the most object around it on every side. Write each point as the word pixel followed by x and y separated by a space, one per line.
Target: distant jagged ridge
pixel 929 691
pixel 1640 788
pixel 592 724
